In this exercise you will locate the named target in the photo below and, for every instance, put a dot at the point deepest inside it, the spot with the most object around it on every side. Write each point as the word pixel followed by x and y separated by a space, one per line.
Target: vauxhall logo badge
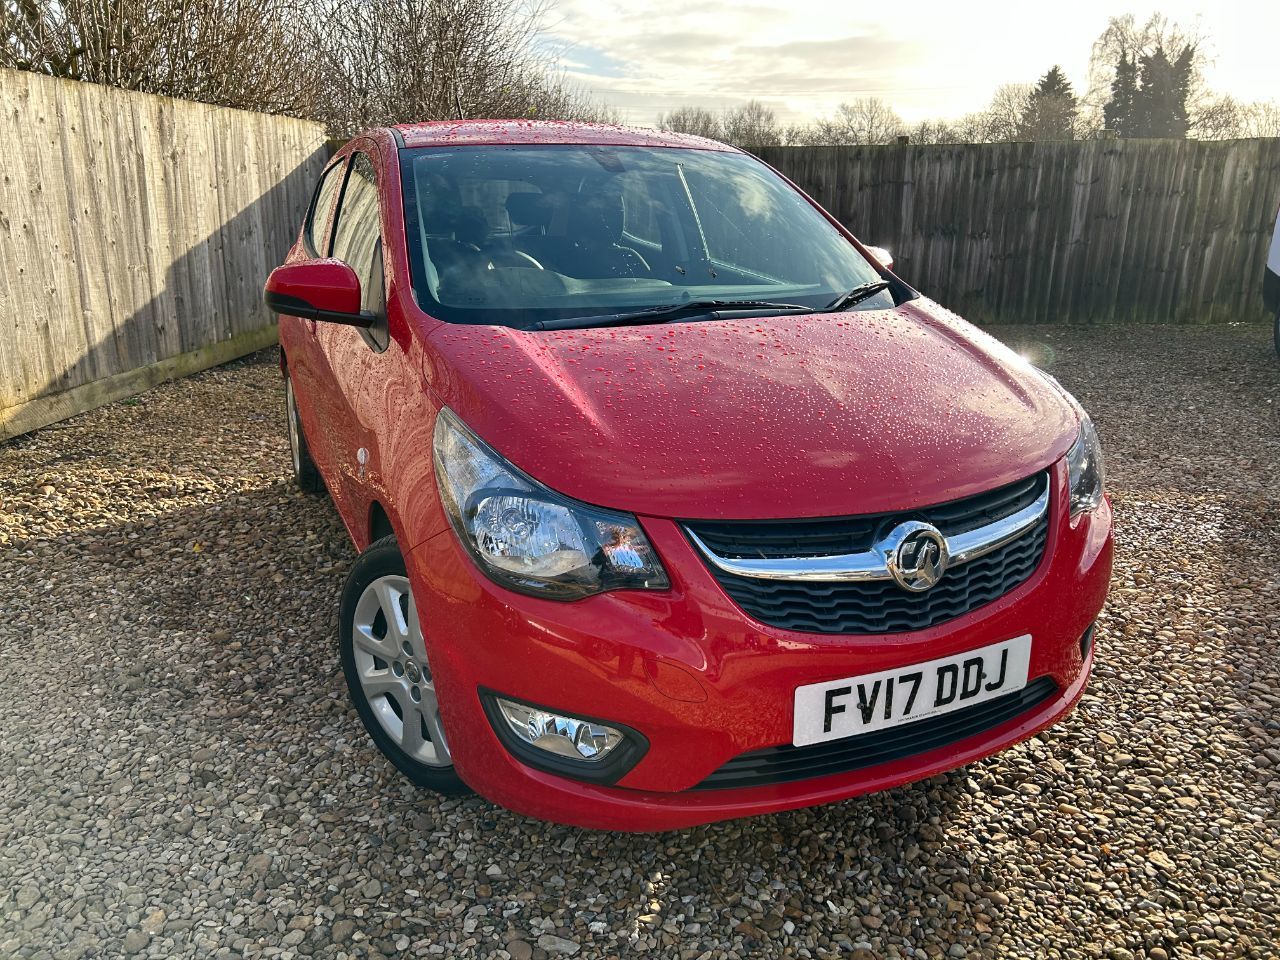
pixel 916 555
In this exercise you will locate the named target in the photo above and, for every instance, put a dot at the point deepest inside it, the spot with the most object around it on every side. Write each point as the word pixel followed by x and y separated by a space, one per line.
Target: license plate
pixel 874 701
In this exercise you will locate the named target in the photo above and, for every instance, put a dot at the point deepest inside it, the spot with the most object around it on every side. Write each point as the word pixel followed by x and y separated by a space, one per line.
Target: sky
pixel 927 59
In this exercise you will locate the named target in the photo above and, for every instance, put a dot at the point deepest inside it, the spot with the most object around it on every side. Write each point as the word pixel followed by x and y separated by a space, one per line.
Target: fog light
pixel 580 748
pixel 559 734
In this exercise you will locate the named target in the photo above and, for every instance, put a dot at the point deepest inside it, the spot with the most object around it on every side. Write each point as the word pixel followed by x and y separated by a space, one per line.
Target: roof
pixel 452 132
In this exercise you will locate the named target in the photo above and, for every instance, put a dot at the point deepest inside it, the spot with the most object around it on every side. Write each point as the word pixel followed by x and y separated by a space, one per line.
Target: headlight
pixel 529 538
pixel 1085 469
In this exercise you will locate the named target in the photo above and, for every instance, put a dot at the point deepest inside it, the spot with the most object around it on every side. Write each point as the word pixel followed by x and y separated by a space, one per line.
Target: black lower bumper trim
pixel 787 763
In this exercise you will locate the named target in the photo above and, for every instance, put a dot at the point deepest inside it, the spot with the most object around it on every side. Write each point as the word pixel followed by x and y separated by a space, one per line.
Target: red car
pixel 1271 280
pixel 673 502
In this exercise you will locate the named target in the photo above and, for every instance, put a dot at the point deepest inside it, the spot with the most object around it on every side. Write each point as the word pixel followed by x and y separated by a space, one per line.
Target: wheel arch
pixel 379 522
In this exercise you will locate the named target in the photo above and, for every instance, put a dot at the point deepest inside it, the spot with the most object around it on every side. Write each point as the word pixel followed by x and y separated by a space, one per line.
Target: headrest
pixel 528 209
pixel 600 216
pixel 471 226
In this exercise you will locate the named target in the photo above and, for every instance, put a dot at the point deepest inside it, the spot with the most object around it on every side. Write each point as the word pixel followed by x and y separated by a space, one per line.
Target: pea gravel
pixel 181 775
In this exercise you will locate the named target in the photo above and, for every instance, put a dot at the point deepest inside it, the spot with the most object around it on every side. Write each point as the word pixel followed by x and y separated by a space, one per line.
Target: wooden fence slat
pixel 136 232
pixel 1070 231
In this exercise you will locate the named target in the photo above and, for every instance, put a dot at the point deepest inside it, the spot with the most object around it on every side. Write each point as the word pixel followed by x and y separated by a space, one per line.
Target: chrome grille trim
pixel 872 565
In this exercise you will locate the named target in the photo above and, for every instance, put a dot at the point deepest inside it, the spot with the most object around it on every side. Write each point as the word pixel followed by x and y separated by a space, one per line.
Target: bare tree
pixel 1001 122
pixel 392 61
pixel 254 54
pixel 752 126
pixel 866 120
pixel 349 63
pixel 1222 117
pixel 1004 115
pixel 798 135
pixel 934 131
pixel 1262 119
pixel 1219 118
pixel 698 121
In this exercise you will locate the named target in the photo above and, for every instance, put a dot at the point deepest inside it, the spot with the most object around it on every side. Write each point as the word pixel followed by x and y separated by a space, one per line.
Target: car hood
pixel 819 415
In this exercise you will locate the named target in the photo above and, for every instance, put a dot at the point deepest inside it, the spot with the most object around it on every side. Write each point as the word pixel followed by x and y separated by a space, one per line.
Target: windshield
pixel 517 235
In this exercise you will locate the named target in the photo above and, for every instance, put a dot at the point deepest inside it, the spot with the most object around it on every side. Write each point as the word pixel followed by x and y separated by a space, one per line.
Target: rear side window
pixel 318 216
pixel 356 231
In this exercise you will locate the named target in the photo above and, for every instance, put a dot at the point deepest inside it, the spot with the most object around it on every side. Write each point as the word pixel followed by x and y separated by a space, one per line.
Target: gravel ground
pixel 181 775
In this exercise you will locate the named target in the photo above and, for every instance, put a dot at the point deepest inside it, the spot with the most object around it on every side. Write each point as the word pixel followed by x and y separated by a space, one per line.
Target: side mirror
pixel 881 256
pixel 326 290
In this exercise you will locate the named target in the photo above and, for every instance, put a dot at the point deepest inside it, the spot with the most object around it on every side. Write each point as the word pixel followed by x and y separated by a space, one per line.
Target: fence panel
pixel 136 232
pixel 1085 231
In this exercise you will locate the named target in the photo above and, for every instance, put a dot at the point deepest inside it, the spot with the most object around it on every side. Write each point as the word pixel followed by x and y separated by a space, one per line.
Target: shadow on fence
pixel 137 232
pixel 1130 231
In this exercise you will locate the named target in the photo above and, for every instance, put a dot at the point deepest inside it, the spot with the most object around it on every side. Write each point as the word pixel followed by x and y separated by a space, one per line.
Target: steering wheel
pixel 521 259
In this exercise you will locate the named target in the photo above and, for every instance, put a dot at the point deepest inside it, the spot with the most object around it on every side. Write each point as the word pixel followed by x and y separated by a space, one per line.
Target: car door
pixel 1271 281
pixel 356 357
pixel 313 384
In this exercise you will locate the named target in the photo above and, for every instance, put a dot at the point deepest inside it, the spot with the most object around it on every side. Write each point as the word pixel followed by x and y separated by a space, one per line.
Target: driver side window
pixel 357 234
pixel 357 241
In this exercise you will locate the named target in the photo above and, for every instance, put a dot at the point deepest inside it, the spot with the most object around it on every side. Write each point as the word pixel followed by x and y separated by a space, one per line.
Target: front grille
pixel 771 539
pixel 787 763
pixel 879 606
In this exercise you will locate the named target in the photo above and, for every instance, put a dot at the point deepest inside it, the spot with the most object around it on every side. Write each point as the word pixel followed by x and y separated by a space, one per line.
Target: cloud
pixel 657 70
pixel 861 50
pixel 933 58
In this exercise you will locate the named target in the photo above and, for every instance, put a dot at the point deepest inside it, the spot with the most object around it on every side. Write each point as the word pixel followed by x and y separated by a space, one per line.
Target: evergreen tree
pixel 1149 94
pixel 1050 113
pixel 1118 112
pixel 1182 73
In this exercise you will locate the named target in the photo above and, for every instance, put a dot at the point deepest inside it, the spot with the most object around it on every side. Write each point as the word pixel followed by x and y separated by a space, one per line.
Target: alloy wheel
pixel 391 663
pixel 295 434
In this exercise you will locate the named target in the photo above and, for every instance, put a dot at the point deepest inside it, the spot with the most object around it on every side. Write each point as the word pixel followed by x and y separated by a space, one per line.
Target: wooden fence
pixel 1113 230
pixel 135 235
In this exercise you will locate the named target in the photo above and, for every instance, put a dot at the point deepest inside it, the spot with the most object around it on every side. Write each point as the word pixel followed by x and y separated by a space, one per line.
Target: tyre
pixel 389 679
pixel 305 474
pixel 1277 332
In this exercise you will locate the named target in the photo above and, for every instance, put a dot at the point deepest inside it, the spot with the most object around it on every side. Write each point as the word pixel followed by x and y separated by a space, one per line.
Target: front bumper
pixel 704 683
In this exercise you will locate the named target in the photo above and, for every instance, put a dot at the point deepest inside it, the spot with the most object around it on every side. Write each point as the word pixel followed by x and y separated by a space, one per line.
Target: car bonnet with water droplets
pixel 788 416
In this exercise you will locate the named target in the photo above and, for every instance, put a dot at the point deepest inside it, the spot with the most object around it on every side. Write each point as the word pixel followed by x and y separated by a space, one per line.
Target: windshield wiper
pixel 859 293
pixel 716 309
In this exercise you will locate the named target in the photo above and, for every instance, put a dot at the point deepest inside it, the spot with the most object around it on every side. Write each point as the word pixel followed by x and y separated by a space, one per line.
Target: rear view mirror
pixel 881 256
pixel 327 290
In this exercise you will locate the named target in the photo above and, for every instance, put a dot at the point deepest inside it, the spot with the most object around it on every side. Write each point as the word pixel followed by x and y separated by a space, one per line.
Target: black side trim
pixel 1271 290
pixel 1086 641
pixel 606 772
pixel 297 307
pixel 787 763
